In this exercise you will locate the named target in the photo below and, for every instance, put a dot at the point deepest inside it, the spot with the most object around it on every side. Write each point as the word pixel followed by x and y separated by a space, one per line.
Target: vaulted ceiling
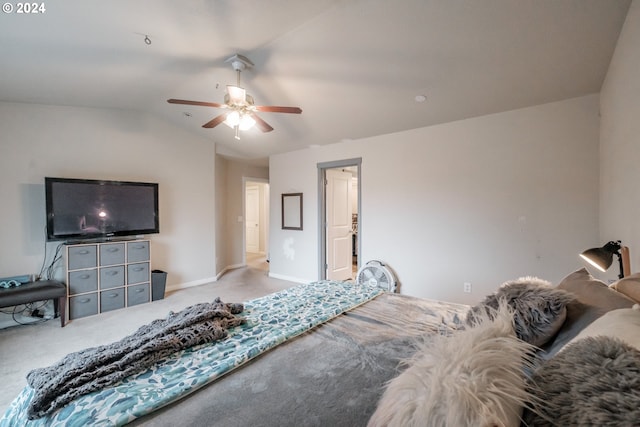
pixel 355 67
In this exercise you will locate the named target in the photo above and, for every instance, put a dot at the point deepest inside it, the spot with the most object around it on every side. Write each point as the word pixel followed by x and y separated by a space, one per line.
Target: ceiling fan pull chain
pixel 237 128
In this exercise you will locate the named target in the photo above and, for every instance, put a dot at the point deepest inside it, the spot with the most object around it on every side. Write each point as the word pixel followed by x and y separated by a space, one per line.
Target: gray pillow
pixel 539 310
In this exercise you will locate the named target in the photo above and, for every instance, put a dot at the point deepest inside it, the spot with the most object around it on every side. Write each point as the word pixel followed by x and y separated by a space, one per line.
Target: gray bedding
pixel 330 376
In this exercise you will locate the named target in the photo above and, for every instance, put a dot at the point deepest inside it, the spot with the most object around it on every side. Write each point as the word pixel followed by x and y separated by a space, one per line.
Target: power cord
pixel 24 308
pixel 47 273
pixel 44 258
pixel 56 257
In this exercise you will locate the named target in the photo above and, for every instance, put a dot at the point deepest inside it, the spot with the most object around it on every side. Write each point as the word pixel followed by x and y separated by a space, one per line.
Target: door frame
pixel 245 180
pixel 322 210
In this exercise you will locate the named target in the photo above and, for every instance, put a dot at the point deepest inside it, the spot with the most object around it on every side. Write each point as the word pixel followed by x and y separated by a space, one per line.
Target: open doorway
pixel 256 223
pixel 340 232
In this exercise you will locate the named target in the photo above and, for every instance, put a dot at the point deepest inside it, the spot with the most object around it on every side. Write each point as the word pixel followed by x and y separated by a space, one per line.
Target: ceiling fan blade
pixel 276 109
pixel 215 121
pixel 199 103
pixel 264 126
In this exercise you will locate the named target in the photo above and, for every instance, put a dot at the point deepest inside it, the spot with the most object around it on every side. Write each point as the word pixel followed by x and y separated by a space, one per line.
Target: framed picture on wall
pixel 292 211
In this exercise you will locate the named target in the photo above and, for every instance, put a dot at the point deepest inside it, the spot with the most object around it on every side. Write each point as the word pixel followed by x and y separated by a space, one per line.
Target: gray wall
pixel 231 176
pixel 39 141
pixel 482 200
pixel 620 144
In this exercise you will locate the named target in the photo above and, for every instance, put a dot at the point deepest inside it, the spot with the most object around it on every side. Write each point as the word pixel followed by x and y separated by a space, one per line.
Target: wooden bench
pixel 37 291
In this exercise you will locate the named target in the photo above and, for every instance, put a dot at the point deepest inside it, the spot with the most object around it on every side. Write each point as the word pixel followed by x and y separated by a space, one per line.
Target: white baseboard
pixel 289 278
pixel 178 286
pixel 228 268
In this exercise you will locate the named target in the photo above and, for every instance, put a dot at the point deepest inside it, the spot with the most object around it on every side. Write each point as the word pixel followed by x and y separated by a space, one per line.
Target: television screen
pixel 86 209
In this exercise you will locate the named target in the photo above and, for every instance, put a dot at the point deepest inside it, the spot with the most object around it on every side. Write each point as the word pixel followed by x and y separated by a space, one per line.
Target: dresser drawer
pixel 112 253
pixel 137 273
pixel 137 294
pixel 82 281
pixel 83 305
pixel 137 251
pixel 111 299
pixel 82 257
pixel 111 277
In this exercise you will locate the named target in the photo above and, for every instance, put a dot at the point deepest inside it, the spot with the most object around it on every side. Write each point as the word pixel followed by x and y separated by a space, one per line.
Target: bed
pixel 336 327
pixel 320 354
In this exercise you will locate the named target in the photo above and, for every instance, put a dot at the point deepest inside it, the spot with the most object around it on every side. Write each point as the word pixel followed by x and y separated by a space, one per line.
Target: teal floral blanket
pixel 270 321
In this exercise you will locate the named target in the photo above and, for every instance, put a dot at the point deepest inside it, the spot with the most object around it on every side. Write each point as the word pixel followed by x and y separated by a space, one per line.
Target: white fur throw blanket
pixel 474 377
pixel 95 368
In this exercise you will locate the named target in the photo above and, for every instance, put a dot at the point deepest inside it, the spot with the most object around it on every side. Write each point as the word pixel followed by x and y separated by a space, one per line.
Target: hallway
pixel 257 261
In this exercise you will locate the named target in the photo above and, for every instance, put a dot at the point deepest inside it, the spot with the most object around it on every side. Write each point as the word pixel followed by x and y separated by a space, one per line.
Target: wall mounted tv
pixel 85 209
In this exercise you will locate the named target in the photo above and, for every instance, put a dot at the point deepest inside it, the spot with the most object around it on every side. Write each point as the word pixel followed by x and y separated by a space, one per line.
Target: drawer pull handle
pixel 85 276
pixel 139 290
pixel 112 273
pixel 138 269
pixel 84 300
pixel 113 295
pixel 83 252
pixel 112 250
pixel 140 247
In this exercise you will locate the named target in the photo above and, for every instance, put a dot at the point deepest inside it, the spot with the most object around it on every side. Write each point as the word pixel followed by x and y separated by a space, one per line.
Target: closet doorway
pixel 256 222
pixel 340 213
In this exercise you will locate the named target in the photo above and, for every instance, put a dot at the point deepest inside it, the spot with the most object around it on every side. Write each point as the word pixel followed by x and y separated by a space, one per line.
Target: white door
pixel 339 240
pixel 252 219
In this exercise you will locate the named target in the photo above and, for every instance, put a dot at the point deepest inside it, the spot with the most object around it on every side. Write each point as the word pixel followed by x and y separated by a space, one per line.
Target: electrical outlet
pixel 467 287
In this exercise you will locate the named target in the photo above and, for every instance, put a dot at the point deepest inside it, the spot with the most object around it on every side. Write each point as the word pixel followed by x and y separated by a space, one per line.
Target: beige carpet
pixel 25 347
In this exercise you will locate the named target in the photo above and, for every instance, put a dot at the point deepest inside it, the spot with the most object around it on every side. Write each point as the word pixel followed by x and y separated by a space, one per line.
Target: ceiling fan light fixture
pixel 233 119
pixel 237 95
pixel 242 120
pixel 246 122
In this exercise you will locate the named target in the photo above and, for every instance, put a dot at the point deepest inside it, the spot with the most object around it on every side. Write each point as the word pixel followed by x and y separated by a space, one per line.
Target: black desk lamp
pixel 602 258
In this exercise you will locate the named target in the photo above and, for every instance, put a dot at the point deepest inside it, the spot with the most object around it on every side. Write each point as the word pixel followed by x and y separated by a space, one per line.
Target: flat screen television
pixel 86 209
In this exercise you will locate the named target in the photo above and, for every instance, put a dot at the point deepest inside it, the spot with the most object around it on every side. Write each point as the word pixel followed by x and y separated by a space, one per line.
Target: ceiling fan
pixel 242 110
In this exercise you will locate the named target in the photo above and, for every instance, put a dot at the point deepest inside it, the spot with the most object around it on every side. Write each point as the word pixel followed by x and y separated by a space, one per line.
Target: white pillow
pixel 630 286
pixel 623 323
